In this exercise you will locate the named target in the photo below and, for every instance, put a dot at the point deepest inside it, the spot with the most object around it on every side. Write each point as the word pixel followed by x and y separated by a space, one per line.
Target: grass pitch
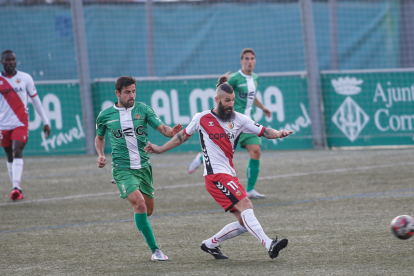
pixel 335 207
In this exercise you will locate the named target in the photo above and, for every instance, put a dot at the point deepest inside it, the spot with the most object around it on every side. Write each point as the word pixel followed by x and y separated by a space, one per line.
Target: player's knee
pixel 17 153
pixel 257 153
pixel 140 207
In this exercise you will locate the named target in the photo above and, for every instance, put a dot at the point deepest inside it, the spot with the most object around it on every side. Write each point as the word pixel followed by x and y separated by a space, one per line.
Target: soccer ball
pixel 403 227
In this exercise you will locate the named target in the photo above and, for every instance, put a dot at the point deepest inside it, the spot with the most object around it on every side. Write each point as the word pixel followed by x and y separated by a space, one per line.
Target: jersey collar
pixel 123 108
pixel 244 75
pixel 9 77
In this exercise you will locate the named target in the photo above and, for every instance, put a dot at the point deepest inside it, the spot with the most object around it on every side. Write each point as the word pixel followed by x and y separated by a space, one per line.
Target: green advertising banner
pixel 369 108
pixel 62 106
pixel 176 102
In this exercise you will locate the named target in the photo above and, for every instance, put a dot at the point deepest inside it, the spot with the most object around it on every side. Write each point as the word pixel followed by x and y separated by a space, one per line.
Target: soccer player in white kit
pixel 15 88
pixel 219 131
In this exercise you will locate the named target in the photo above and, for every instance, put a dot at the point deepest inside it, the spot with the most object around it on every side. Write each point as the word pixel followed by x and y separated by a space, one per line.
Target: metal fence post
pixel 407 36
pixel 333 29
pixel 150 37
pixel 312 71
pixel 83 74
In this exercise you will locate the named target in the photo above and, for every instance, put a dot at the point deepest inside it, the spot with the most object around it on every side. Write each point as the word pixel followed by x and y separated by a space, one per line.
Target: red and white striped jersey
pixel 219 139
pixel 14 94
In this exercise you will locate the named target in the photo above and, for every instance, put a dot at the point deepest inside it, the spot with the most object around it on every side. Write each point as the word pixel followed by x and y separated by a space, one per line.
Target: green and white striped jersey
pixel 128 133
pixel 245 88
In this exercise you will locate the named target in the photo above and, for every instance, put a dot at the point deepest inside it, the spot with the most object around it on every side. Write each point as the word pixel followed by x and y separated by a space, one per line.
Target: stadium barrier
pixel 361 109
pixel 369 107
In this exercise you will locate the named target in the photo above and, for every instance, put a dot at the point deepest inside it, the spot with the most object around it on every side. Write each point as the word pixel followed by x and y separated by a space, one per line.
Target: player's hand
pixel 46 130
pixel 101 161
pixel 152 148
pixel 267 112
pixel 284 133
pixel 177 128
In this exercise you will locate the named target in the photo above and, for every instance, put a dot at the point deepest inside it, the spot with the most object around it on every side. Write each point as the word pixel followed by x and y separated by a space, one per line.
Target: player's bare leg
pixel 139 203
pixel 252 170
pixel 149 202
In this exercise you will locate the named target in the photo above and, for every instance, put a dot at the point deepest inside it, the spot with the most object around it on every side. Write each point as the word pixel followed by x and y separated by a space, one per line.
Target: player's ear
pixel 117 93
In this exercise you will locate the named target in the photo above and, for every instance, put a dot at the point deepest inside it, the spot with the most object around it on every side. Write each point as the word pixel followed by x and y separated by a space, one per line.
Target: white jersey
pixel 14 93
pixel 219 139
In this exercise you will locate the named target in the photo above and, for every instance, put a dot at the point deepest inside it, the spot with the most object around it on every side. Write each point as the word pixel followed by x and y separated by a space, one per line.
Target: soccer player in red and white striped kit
pixel 15 88
pixel 219 131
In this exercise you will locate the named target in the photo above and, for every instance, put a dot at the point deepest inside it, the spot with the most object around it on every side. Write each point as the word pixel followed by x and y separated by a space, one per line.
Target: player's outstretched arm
pixel 169 131
pixel 271 133
pixel 100 146
pixel 262 107
pixel 177 140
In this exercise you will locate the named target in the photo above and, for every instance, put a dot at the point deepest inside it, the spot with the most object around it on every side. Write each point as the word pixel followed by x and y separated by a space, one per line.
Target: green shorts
pixel 129 180
pixel 249 139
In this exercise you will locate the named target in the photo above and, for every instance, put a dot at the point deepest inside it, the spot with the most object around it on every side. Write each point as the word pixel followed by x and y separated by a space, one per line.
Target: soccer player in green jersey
pixel 126 122
pixel 244 83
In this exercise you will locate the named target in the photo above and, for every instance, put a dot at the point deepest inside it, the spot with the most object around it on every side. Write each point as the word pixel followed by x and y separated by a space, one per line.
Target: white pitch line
pixel 202 183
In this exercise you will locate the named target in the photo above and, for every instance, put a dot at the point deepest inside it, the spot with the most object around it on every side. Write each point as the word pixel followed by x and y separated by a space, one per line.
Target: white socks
pixel 10 169
pixel 229 231
pixel 253 226
pixel 234 229
pixel 17 171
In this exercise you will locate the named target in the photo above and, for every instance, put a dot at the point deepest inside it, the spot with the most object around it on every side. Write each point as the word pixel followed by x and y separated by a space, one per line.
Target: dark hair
pixel 247 50
pixel 124 81
pixel 6 52
pixel 223 85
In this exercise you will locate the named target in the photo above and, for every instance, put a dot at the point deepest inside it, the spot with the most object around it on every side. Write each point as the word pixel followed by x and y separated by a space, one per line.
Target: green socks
pixel 144 226
pixel 201 158
pixel 252 172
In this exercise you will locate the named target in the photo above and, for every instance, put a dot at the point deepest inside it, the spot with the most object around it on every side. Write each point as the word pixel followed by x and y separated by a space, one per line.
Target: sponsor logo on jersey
pixel 251 94
pixel 18 80
pixel 230 124
pixel 238 193
pixel 137 116
pixel 241 85
pixel 210 124
pixel 242 95
pixel 117 133
pixel 8 90
pixel 256 124
pixel 128 131
pixel 139 130
pixel 221 136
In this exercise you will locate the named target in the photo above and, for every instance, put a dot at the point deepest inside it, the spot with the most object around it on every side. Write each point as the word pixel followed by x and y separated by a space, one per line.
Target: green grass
pixel 335 208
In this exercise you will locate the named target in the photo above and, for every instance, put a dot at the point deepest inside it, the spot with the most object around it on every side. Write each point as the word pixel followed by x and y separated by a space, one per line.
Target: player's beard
pixel 127 104
pixel 223 115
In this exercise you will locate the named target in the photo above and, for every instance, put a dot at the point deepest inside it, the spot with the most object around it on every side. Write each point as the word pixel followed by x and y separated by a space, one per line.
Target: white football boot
pixel 254 194
pixel 195 164
pixel 158 256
